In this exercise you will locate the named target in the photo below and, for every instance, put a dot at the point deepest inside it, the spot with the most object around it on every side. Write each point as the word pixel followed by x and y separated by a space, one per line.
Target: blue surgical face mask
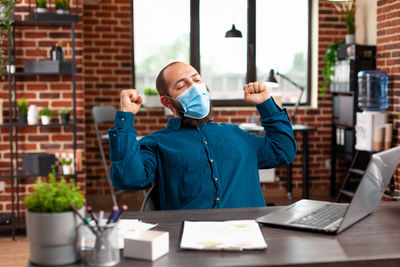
pixel 195 101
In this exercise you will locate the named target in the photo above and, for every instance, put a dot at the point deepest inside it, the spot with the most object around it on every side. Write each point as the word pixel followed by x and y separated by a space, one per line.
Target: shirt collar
pixel 174 123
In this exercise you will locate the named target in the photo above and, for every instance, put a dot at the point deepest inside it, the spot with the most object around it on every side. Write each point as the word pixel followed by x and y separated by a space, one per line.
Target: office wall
pixel 107 58
pixel 388 59
pixel 43 91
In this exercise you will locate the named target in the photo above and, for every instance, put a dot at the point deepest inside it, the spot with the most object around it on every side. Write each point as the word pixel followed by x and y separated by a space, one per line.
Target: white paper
pixel 226 235
pixel 124 227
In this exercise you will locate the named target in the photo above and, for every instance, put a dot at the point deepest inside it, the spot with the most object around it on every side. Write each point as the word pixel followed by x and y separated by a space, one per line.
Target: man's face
pixel 179 77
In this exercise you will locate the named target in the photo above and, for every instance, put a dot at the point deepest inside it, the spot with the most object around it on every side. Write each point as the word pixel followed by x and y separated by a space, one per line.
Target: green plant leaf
pixel 52 195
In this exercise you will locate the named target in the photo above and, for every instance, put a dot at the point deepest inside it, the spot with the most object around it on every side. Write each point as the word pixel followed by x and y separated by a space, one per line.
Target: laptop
pixel 332 217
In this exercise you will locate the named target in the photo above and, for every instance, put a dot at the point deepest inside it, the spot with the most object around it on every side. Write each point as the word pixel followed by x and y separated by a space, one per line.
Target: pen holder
pixel 102 248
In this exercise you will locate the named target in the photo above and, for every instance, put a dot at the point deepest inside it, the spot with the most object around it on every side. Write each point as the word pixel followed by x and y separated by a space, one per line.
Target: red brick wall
pixel 107 70
pixel 388 59
pixel 54 92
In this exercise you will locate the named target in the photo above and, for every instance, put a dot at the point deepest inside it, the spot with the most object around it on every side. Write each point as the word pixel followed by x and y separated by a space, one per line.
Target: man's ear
pixel 166 102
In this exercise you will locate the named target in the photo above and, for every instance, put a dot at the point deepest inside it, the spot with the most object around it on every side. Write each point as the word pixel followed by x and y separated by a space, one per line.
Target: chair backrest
pixel 103 113
pixel 151 200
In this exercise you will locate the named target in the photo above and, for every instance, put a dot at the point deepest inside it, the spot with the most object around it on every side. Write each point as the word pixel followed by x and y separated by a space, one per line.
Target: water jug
pixel 372 90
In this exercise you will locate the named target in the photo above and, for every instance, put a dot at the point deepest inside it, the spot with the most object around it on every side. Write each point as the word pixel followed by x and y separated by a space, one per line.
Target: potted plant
pixel 45 115
pixel 348 8
pixel 54 231
pixel 62 6
pixel 151 98
pixel 66 165
pixel 63 115
pixel 331 56
pixel 41 6
pixel 350 25
pixel 22 111
pixel 6 20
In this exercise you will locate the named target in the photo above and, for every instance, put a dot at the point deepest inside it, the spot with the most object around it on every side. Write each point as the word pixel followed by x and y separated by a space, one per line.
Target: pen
pixel 101 216
pixel 85 220
pixel 90 210
pixel 94 231
pixel 113 214
pixel 124 208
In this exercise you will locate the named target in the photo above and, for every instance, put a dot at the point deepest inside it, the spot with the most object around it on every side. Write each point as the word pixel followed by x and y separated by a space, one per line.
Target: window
pixel 223 60
pixel 276 35
pixel 282 44
pixel 161 35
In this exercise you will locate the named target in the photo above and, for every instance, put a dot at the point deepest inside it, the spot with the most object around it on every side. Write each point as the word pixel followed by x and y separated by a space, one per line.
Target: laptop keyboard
pixel 323 216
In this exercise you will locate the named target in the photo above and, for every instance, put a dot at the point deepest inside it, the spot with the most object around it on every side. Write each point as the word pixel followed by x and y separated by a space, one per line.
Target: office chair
pixel 104 114
pixel 151 199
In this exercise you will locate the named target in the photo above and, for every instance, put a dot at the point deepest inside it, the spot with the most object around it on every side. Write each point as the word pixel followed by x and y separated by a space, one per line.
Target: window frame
pixel 251 74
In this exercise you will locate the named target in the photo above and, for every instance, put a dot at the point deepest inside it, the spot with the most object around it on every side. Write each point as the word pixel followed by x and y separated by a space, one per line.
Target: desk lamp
pixel 271 78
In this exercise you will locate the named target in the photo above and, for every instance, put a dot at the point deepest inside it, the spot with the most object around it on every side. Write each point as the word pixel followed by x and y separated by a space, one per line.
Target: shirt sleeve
pixel 278 147
pixel 132 166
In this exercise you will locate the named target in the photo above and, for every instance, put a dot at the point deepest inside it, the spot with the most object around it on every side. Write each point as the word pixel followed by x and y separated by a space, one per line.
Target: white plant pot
pixel 10 68
pixel 61 11
pixel 54 238
pixel 152 101
pixel 350 39
pixel 66 169
pixel 45 120
pixel 41 10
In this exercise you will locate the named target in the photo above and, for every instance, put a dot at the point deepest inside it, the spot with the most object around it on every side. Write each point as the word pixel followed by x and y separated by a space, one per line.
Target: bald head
pixel 176 76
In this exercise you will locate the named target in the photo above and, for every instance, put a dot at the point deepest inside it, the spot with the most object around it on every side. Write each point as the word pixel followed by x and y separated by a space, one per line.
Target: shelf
pixel 20 74
pixel 20 175
pixel 16 124
pixel 19 223
pixel 342 93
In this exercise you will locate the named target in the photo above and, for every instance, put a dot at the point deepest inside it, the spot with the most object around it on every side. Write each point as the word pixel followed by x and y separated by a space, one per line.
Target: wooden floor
pixel 16 253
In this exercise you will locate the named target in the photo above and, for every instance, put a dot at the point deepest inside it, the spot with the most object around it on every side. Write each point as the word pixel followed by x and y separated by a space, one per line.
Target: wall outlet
pixel 2 186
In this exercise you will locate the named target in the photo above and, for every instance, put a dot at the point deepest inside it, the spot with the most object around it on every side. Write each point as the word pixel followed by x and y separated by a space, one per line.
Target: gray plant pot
pixel 54 238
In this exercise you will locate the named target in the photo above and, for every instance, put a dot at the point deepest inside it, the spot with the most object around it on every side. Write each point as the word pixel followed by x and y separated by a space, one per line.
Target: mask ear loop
pixel 180 108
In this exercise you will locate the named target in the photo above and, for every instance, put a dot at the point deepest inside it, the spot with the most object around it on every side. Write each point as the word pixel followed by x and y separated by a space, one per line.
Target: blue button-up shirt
pixel 214 165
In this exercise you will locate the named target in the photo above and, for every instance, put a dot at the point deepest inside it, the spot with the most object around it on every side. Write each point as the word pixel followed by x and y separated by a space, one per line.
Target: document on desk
pixel 226 235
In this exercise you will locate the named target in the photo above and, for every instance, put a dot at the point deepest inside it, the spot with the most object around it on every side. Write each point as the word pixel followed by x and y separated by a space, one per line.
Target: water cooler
pixel 373 133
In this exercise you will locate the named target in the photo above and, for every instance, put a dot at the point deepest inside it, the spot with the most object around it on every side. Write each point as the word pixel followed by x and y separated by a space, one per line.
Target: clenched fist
pixel 255 92
pixel 130 101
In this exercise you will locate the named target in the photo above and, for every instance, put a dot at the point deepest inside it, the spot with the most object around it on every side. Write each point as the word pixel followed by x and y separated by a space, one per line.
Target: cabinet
pixel 344 89
pixel 13 125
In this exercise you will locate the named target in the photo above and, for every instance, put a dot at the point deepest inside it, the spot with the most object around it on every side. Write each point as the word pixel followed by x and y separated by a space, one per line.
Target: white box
pixel 267 175
pixel 366 122
pixel 146 245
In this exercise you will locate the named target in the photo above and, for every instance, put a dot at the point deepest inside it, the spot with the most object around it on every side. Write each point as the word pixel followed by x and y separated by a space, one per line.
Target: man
pixel 195 162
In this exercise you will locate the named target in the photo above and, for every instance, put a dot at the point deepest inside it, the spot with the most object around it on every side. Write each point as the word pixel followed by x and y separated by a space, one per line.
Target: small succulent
pixel 150 91
pixel 45 112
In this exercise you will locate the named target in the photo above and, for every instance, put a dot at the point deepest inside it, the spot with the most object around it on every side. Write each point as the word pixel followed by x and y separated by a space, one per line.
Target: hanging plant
pixel 331 56
pixel 6 20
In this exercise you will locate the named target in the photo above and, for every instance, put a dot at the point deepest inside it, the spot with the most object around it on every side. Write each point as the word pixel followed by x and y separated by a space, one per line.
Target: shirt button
pixel 211 160
pixel 122 119
pixel 205 142
pixel 115 134
pixel 216 179
pixel 217 199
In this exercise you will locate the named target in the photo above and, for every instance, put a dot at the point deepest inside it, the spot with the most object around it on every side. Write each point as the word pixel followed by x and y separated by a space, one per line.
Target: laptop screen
pixel 372 186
